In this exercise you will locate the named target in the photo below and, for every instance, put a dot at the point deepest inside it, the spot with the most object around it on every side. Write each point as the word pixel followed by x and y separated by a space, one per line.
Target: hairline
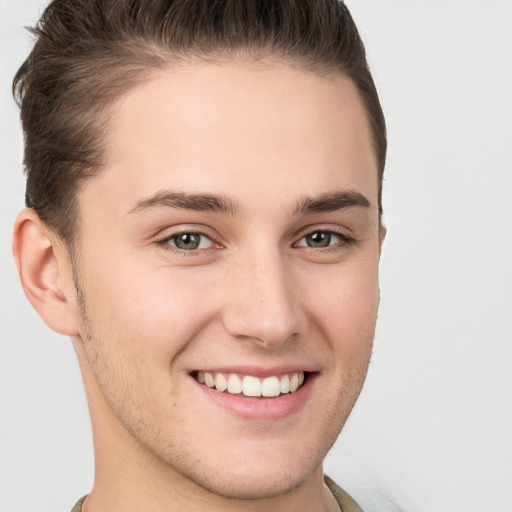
pixel 104 109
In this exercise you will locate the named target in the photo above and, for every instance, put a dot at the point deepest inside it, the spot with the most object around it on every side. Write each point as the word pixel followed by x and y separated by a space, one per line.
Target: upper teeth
pixel 250 385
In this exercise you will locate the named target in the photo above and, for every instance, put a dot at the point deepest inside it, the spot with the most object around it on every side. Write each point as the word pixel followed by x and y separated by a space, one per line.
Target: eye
pixel 189 241
pixel 321 239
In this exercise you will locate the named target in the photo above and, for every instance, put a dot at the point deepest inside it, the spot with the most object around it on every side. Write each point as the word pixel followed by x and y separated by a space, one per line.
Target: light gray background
pixel 432 431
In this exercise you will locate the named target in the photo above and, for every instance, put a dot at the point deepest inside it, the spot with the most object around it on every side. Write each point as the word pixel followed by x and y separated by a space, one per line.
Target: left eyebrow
pixel 331 202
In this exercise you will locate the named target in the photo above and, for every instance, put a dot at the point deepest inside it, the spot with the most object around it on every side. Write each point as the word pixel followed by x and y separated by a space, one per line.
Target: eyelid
pixel 203 231
pixel 344 241
pixel 163 240
pixel 323 228
pixel 202 238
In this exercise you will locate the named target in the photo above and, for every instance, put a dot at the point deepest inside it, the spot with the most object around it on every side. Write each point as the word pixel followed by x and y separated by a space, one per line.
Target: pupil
pixel 319 239
pixel 187 241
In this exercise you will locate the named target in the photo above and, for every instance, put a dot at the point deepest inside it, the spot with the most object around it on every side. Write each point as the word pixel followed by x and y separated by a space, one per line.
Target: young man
pixel 203 220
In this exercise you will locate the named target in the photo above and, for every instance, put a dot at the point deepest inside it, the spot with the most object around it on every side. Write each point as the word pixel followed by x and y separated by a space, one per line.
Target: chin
pixel 256 469
pixel 252 484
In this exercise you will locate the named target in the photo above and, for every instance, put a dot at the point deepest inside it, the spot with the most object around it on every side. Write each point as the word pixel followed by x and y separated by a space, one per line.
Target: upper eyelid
pixel 165 240
pixel 324 229
pixel 170 232
pixel 185 232
pixel 341 236
pixel 328 231
pixel 164 243
pixel 217 239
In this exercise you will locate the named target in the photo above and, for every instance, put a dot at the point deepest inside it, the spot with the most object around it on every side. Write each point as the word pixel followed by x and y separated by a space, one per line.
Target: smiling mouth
pixel 251 386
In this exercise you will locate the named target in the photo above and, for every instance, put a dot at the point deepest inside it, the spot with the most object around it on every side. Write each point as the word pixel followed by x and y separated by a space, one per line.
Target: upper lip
pixel 258 371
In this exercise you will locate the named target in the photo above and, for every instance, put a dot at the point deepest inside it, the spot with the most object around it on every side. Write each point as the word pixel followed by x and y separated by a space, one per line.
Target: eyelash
pixel 165 243
pixel 344 240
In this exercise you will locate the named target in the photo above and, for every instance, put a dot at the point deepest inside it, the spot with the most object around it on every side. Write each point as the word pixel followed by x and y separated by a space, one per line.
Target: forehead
pixel 238 128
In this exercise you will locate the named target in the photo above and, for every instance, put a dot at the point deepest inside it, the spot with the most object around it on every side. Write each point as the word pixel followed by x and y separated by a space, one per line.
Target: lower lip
pixel 261 409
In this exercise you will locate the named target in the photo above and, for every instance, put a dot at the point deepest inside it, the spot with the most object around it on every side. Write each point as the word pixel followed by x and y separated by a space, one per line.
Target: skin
pixel 144 314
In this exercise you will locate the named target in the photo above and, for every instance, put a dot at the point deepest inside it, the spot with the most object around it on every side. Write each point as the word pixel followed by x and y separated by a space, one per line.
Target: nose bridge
pixel 262 302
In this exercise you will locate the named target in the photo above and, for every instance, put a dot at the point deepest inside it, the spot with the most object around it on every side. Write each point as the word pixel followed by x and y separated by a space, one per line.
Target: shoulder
pixel 345 501
pixel 78 506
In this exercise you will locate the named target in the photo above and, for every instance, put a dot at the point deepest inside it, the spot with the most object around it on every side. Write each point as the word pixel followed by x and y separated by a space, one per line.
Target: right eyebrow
pixel 183 201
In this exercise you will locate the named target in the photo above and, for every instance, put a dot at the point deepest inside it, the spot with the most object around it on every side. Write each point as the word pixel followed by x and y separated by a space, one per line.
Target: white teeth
pixel 221 383
pixel 234 384
pixel 285 384
pixel 250 385
pixel 294 383
pixel 209 380
pixel 270 387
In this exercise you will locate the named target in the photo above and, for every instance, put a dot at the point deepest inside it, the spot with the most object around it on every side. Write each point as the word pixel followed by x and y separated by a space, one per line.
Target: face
pixel 232 240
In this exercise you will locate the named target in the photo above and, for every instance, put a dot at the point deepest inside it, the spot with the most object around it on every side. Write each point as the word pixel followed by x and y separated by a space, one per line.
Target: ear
pixel 382 235
pixel 45 272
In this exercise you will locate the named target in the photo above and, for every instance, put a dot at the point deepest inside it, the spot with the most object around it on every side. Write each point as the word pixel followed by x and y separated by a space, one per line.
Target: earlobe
pixel 45 272
pixel 382 235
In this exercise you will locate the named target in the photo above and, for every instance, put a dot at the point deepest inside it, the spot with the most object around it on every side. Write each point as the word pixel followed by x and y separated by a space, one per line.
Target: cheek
pixel 152 312
pixel 139 323
pixel 344 305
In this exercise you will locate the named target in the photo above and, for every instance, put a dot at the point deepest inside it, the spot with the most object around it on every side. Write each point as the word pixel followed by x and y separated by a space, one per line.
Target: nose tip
pixel 263 307
pixel 256 324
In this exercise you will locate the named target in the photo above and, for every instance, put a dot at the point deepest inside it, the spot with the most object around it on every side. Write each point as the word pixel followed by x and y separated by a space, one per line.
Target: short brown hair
pixel 89 52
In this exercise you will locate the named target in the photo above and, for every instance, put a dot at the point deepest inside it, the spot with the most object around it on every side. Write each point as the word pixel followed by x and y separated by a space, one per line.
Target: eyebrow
pixel 328 202
pixel 181 200
pixel 331 202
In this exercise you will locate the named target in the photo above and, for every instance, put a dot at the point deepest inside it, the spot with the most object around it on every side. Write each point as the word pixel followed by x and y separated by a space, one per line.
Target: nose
pixel 261 300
